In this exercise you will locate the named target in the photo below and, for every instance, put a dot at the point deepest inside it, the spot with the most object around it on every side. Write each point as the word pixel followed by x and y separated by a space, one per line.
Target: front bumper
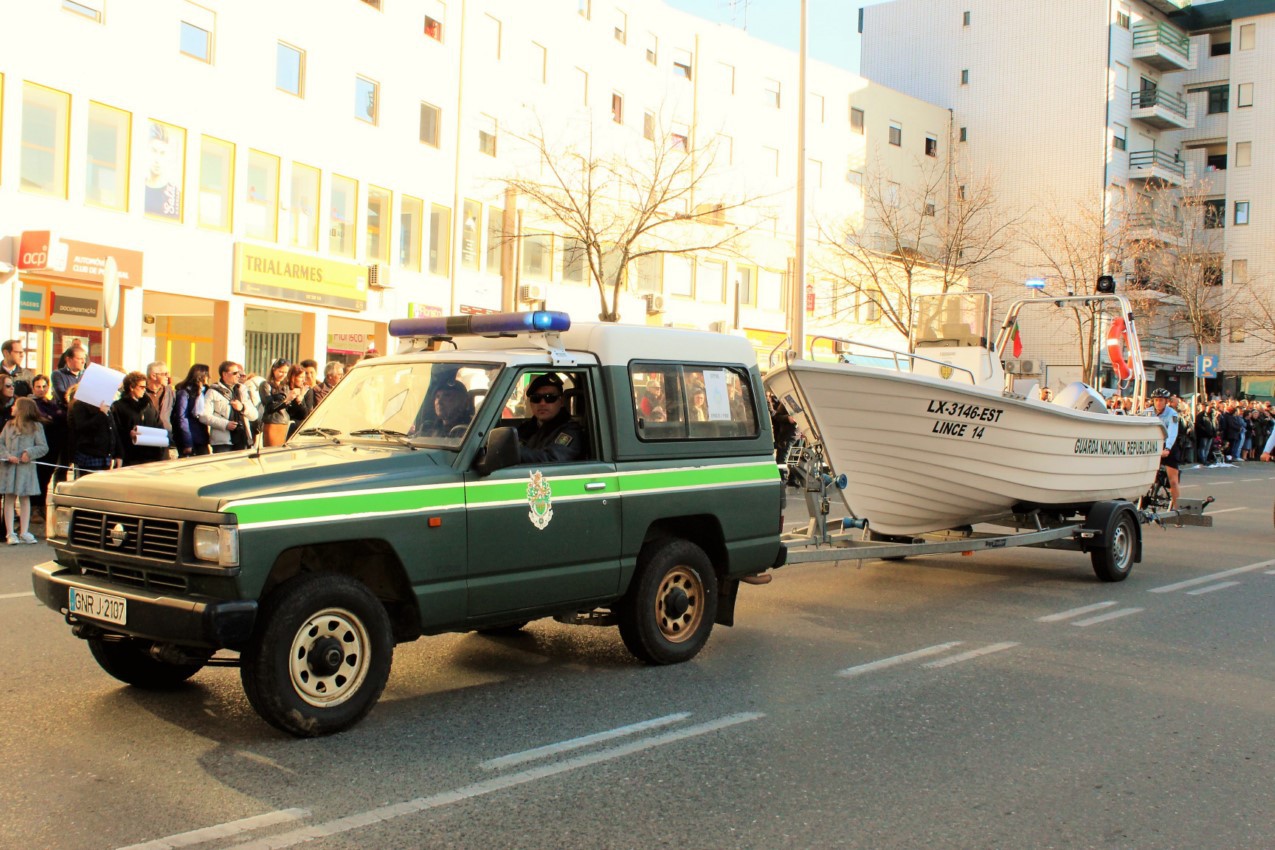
pixel 188 621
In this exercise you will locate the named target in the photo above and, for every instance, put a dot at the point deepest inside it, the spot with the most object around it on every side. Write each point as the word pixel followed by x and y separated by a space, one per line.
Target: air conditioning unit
pixel 378 277
pixel 531 292
pixel 1012 367
pixel 1028 367
pixel 718 327
pixel 654 303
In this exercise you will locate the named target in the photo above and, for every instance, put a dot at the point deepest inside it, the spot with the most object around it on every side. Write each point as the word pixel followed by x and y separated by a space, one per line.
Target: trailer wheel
pixel 1115 559
pixel 669 610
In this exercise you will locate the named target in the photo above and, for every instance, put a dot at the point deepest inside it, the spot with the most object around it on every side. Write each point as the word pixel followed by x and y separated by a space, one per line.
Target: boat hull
pixel 923 454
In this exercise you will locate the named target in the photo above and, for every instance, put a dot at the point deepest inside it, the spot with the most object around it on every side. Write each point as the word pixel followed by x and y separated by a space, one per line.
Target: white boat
pixel 939 442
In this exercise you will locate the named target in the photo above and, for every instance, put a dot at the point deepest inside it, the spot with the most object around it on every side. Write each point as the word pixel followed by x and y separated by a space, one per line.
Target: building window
pixel 621 28
pixel 410 219
pixel 1122 19
pixel 1119 137
pixel 679 276
pixel 1243 154
pixel 679 139
pixel 216 183
pixel 495 239
pixel 366 94
pixel 165 171
pixel 1239 271
pixel 682 63
pixel 965 76
pixel 493 28
pixel 929 209
pixel 582 7
pixel 770 95
pixel 617 107
pixel 440 240
pixel 377 222
pixel 965 19
pixel 1222 45
pixel 1244 95
pixel 539 63
pixel 1238 333
pixel 1122 76
pixel 856 120
pixel 537 256
pixel 771 157
pixel 582 79
pixel 726 75
pixel 197 27
pixel 262 211
pixel 375 4
pixel 1248 36
pixel 1219 99
pixel 652 48
pixel 433 28
pixel 710 282
pixel 960 192
pixel 46 118
pixel 896 134
pixel 1241 212
pixel 854 174
pixel 471 230
pixel 430 117
pixel 931 145
pixel 648 126
pixel 91 9
pixel 1215 213
pixel 574 260
pixel 344 216
pixel 650 273
pixel 963 134
pixel 814 170
pixel 109 143
pixel 1215 162
pixel 745 290
pixel 289 69
pixel 487 135
pixel 303 208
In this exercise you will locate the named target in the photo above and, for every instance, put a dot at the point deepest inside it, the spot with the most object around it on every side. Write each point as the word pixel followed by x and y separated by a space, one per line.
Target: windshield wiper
pixel 330 433
pixel 402 438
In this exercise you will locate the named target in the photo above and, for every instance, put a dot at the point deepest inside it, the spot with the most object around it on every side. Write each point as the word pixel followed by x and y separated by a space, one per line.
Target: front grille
pixel 142 536
pixel 134 577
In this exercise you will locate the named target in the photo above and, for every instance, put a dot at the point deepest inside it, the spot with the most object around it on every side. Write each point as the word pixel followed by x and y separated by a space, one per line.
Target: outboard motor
pixel 1080 396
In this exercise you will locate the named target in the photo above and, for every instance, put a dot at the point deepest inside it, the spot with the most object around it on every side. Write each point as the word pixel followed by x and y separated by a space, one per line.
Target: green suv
pixel 403 507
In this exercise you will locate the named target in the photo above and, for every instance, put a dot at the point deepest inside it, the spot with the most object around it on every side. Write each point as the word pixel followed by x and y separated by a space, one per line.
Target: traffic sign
pixel 1206 366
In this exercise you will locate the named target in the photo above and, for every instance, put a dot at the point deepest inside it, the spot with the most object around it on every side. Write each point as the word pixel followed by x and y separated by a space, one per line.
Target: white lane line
pixel 1246 480
pixel 1227 510
pixel 1194 582
pixel 221 830
pixel 381 814
pixel 1212 587
pixel 1113 615
pixel 583 741
pixel 897 659
pixel 1074 612
pixel 973 653
pixel 17 595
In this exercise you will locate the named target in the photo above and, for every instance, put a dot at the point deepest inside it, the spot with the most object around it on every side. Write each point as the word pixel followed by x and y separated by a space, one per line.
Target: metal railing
pixel 1151 221
pixel 1158 33
pixel 1152 158
pixel 899 358
pixel 1148 98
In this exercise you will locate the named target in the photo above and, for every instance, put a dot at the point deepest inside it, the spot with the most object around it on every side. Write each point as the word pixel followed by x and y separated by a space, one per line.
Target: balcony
pixel 1160 109
pixel 1148 227
pixel 1169 6
pixel 1163 47
pixel 1156 165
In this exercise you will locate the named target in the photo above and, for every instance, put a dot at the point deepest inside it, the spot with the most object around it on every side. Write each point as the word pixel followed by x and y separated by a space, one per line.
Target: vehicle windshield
pixel 425 404
pixel 951 319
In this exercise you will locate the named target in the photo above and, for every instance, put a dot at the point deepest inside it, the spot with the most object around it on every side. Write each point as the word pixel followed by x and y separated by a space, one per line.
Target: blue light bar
pixel 482 324
pixel 1035 283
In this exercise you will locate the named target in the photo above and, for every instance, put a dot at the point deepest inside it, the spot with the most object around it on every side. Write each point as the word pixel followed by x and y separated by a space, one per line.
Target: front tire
pixel 320 657
pixel 669 611
pixel 130 662
pixel 1115 559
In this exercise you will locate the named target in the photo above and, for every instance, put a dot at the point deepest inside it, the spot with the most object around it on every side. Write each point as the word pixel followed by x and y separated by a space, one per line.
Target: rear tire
pixel 1115 559
pixel 130 662
pixel 320 655
pixel 669 610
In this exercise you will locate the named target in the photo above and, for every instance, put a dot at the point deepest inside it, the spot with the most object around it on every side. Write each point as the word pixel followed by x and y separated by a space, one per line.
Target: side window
pixel 691 402
pixel 574 399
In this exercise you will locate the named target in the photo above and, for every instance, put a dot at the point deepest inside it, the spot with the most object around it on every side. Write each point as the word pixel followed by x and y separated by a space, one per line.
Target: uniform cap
pixel 549 379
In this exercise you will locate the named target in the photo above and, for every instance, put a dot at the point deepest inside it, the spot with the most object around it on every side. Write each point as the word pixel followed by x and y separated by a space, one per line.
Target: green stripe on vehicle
pixel 385 501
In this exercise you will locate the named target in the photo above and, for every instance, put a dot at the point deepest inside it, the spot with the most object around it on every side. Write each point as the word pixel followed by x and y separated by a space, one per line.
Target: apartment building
pixel 244 181
pixel 1107 102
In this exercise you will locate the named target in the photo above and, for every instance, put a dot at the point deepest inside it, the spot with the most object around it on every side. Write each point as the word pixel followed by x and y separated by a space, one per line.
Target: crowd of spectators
pixel 1215 431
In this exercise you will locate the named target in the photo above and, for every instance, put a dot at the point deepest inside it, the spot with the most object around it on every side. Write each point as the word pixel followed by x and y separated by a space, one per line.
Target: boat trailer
pixel 1111 531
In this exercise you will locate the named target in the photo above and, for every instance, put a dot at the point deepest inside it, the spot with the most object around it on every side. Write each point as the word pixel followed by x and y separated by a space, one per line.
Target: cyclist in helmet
pixel 1169 455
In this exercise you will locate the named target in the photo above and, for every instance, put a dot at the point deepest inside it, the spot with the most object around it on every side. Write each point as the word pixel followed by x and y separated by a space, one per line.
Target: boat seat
pixel 1029 390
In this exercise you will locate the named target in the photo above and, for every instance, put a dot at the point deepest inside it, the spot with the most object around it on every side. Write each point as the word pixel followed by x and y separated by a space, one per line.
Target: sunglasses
pixel 546 398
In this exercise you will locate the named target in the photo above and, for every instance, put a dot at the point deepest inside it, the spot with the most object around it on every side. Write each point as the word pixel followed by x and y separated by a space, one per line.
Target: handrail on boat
pixel 893 352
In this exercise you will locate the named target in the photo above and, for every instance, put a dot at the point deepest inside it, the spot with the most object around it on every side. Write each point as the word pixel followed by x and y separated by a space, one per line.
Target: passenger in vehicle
pixel 449 414
pixel 549 435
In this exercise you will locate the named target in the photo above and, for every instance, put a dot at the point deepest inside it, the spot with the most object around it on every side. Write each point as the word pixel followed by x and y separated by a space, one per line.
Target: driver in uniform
pixel 549 435
pixel 1169 454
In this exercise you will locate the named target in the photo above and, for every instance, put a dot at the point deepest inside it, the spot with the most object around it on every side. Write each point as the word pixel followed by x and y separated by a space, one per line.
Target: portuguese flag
pixel 1017 339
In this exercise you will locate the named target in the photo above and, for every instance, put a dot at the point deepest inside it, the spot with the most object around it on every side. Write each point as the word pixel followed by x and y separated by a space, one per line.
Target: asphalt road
pixel 1005 700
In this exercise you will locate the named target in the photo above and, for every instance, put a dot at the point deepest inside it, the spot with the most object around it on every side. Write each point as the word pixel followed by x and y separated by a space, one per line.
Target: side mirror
pixel 499 450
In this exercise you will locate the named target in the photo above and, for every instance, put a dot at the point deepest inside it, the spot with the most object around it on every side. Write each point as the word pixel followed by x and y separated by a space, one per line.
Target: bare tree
pixel 620 207
pixel 928 235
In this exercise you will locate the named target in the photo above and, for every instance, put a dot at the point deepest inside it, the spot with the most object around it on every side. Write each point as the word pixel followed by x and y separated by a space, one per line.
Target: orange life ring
pixel 1116 342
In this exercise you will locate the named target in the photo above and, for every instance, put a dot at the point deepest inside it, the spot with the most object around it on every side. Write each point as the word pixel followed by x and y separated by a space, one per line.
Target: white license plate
pixel 99 606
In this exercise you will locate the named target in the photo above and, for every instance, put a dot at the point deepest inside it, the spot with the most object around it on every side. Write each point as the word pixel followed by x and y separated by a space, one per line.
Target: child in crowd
pixel 21 442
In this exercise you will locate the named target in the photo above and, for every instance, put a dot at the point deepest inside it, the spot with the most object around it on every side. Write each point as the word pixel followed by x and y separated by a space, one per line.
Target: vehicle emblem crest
pixel 945 371
pixel 118 535
pixel 539 500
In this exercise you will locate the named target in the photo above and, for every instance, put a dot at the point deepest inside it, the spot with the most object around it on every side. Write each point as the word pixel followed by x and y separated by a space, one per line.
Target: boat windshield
pixel 419 404
pixel 955 319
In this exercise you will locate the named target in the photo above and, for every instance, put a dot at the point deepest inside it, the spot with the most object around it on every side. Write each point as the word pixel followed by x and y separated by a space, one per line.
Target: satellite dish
pixel 110 293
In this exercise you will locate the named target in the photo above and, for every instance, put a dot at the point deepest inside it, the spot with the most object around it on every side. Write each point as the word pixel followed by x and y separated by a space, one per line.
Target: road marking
pixel 583 741
pixel 973 653
pixel 1170 588
pixel 221 830
pixel 1074 612
pixel 1246 480
pixel 17 595
pixel 1212 587
pixel 1227 510
pixel 384 813
pixel 1113 615
pixel 897 659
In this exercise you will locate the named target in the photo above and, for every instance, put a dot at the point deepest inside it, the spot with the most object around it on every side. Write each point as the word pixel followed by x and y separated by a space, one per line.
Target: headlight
pixel 217 543
pixel 58 520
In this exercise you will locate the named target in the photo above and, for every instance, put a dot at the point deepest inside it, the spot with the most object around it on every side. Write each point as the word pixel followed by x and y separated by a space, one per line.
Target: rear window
pixel 686 402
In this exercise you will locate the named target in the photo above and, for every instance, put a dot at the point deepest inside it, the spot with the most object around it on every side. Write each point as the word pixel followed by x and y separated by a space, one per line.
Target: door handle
pixel 596 485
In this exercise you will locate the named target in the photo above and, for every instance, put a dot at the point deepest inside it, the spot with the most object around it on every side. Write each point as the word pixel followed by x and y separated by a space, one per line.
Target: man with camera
pixel 227 411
